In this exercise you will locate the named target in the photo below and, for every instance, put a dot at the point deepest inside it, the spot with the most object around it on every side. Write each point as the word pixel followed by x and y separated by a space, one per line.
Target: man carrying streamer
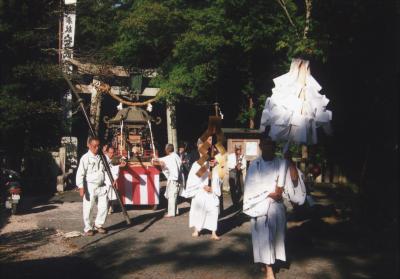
pixel 263 203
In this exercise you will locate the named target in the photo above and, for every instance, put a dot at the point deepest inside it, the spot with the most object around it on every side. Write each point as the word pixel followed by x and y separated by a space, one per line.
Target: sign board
pixel 67 44
pixel 251 148
pixel 68 39
pixel 71 151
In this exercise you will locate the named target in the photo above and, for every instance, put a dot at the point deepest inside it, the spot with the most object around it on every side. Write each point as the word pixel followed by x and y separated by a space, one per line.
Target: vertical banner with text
pixel 67 45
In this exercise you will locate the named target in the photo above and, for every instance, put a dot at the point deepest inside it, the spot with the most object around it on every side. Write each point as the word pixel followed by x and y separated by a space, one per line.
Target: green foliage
pixel 97 28
pixel 246 114
pixel 30 81
pixel 146 34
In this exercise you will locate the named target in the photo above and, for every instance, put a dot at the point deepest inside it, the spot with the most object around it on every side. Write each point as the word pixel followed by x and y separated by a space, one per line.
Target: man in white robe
pixel 171 167
pixel 204 208
pixel 263 202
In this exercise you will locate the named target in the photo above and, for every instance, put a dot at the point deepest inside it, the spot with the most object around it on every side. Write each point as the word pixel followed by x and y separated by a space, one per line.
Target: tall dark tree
pixel 30 83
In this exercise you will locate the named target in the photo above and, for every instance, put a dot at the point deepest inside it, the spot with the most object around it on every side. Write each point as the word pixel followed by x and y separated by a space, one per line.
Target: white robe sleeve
pixel 81 172
pixel 231 161
pixel 251 177
pixel 195 183
pixel 255 198
pixel 115 173
pixel 283 168
pixel 296 194
pixel 216 183
pixel 164 161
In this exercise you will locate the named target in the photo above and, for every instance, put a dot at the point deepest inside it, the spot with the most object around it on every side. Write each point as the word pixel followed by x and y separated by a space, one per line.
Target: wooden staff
pixel 152 139
pixel 211 158
pixel 121 138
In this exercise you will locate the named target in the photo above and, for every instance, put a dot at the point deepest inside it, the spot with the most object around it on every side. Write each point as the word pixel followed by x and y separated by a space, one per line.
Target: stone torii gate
pixel 118 71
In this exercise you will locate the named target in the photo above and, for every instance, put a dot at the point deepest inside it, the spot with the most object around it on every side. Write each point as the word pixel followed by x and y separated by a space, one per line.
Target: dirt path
pixel 23 238
pixel 320 244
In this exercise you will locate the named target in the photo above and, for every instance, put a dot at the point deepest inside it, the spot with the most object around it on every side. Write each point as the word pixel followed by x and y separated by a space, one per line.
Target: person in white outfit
pixel 109 151
pixel 171 167
pixel 262 201
pixel 204 208
pixel 90 178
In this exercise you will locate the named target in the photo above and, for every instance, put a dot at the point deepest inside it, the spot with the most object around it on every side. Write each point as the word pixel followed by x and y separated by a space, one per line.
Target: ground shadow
pixel 315 246
pixel 14 243
pixel 137 220
pixel 61 268
pixel 227 224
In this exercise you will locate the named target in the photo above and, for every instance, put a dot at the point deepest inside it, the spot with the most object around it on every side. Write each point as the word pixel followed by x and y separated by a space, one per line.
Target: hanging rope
pixel 105 88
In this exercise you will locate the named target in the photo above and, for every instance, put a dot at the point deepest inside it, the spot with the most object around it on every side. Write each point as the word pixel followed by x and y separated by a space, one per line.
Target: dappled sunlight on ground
pixel 322 242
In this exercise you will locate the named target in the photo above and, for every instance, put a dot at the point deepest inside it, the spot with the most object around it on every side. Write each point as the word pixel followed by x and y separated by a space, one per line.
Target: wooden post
pixel 95 108
pixel 61 164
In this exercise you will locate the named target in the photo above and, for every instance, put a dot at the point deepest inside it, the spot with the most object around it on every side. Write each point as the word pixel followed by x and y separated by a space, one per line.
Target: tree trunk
pixel 251 120
pixel 171 126
pixel 95 109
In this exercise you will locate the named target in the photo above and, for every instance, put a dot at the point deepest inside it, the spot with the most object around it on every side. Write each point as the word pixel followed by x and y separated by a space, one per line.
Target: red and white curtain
pixel 139 186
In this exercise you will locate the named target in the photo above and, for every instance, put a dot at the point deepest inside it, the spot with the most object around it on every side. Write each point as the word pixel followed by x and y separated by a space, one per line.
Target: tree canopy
pixel 198 45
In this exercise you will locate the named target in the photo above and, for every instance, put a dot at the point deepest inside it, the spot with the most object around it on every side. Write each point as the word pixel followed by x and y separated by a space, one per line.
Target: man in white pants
pixel 171 167
pixel 91 174
pixel 262 201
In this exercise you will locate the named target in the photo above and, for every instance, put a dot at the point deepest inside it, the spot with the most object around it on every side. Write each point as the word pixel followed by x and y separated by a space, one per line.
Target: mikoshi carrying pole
pixel 121 147
pixel 102 156
pixel 152 139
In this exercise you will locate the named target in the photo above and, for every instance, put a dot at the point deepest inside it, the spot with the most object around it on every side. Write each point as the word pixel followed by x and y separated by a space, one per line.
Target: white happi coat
pixel 172 171
pixel 205 206
pixel 91 173
pixel 268 222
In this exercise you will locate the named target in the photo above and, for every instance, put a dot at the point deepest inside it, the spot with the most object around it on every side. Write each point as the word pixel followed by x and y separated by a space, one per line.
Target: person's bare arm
pixel 158 164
